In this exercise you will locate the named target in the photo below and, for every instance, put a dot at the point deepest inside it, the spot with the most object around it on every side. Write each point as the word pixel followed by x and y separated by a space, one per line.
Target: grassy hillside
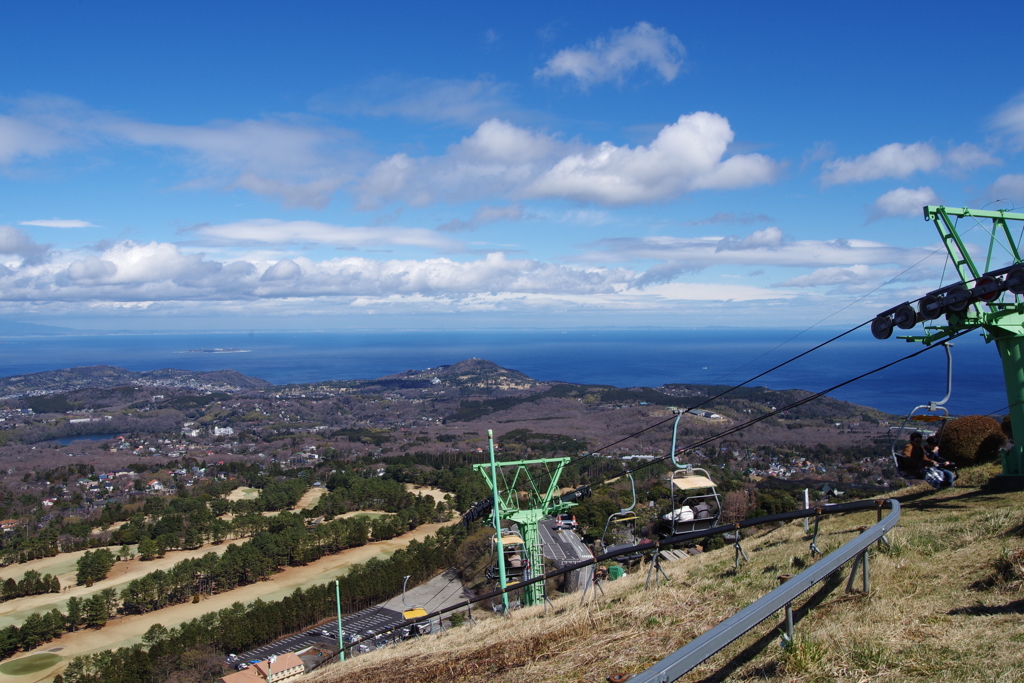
pixel 946 604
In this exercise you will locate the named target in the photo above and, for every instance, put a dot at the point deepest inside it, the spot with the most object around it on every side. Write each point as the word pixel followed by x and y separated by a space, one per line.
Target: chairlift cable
pixel 852 303
pixel 806 399
pixel 730 390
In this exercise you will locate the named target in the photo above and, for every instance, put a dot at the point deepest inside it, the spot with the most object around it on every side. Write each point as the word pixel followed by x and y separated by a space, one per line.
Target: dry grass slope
pixel 946 605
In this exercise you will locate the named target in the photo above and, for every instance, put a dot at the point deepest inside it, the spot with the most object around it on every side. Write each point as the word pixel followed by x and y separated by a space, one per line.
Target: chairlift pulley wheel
pixel 881 327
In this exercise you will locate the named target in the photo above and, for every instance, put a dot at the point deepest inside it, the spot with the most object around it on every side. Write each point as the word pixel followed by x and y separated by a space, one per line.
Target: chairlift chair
pixel 517 560
pixel 620 530
pixel 931 412
pixel 696 505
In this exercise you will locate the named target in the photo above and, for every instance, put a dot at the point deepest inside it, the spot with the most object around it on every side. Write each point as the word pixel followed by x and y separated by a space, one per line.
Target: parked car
pixel 566 522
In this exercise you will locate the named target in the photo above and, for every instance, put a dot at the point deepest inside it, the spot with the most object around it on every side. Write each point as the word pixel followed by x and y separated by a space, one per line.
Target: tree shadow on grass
pixel 1015 607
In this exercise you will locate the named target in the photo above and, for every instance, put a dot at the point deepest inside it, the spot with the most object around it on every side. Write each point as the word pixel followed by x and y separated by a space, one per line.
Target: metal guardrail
pixel 694 653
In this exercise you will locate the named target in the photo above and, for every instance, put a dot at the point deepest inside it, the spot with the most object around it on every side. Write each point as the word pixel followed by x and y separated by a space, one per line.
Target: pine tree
pixel 147 549
pixel 75 613
pixel 96 613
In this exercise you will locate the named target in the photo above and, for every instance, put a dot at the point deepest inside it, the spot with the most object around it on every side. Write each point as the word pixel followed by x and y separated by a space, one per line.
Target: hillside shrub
pixel 972 440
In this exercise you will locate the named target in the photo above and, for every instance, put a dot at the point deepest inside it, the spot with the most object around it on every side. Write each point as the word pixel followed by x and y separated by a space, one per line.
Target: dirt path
pixel 128 630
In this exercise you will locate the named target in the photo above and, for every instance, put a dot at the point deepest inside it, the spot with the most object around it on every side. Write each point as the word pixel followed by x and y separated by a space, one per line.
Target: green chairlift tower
pixel 990 298
pixel 520 498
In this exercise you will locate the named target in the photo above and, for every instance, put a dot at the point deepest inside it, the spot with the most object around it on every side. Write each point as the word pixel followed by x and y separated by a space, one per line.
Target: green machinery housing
pixel 525 492
pixel 987 297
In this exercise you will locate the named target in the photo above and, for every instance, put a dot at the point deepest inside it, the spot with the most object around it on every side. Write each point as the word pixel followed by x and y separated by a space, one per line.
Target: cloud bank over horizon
pixel 601 167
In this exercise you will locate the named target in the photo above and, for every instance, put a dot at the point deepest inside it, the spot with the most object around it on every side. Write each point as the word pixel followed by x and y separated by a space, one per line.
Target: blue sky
pixel 326 166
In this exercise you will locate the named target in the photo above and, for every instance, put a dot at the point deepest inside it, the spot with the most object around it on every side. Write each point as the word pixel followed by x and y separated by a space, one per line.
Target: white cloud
pixel 59 223
pixel 502 159
pixel 903 201
pixel 133 272
pixel 20 138
pixel 274 231
pixel 14 242
pixel 1010 121
pixel 429 99
pixel 761 248
pixel 496 159
pixel 967 157
pixel 1009 186
pixel 687 155
pixel 894 160
pixel 856 274
pixel 706 291
pixel 271 158
pixel 285 269
pixel 286 159
pixel 484 215
pixel 659 274
pixel 897 160
pixel 611 59
pixel 770 238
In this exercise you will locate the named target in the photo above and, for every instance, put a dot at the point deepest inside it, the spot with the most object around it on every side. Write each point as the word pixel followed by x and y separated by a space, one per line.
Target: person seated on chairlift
pixel 931 453
pixel 915 452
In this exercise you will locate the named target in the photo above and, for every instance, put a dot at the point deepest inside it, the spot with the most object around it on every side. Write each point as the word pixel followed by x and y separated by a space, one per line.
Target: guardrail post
pixel 737 537
pixel 860 562
pixel 884 540
pixel 867 581
pixel 814 539
pixel 787 637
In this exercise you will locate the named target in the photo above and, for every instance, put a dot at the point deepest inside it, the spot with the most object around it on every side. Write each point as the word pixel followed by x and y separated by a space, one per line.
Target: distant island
pixel 218 351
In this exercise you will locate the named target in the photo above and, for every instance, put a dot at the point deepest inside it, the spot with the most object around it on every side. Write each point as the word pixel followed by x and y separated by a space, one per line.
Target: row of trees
pixel 287 543
pixel 40 628
pixel 32 583
pixel 240 627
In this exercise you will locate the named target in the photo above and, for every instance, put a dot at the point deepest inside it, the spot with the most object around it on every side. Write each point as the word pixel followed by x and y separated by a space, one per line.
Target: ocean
pixel 623 358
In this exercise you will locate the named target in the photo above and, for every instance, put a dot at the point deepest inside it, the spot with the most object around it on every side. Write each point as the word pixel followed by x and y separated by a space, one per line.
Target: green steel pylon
pixel 519 498
pixel 989 298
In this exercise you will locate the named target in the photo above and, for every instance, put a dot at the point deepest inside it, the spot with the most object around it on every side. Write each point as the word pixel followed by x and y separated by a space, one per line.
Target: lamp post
pixel 270 663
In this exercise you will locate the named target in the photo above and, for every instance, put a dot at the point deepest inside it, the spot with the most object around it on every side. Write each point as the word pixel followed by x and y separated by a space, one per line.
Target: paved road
pixel 440 591
pixel 565 547
pixel 356 625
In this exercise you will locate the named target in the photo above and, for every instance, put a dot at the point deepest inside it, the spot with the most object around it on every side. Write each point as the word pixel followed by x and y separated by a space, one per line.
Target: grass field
pixel 30 664
pixel 243 493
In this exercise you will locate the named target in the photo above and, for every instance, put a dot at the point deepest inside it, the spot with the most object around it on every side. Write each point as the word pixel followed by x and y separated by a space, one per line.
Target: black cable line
pixel 852 303
pixel 712 398
pixel 806 399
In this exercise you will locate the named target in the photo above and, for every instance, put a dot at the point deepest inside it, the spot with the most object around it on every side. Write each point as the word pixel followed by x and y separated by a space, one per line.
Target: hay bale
pixel 972 440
